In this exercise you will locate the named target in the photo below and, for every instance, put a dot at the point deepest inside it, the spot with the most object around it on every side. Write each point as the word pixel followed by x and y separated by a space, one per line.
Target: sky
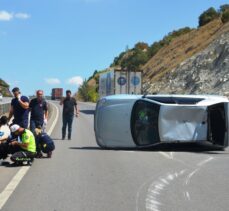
pixel 46 44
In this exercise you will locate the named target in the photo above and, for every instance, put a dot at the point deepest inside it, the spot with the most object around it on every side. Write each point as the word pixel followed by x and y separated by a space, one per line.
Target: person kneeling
pixel 24 144
pixel 44 143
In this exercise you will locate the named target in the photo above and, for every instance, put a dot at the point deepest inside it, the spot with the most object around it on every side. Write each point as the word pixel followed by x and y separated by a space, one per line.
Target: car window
pixel 175 100
pixel 144 123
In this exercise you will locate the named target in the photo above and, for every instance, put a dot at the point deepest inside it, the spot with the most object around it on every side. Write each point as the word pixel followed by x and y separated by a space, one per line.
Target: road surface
pixel 81 176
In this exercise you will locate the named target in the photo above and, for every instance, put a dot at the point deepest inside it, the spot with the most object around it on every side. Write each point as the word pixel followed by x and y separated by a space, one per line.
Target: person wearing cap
pixel 39 111
pixel 19 109
pixel 25 145
pixel 69 103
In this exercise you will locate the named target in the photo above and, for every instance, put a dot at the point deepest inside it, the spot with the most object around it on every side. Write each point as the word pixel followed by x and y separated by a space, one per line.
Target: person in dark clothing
pixel 19 109
pixel 39 111
pixel 69 103
pixel 44 143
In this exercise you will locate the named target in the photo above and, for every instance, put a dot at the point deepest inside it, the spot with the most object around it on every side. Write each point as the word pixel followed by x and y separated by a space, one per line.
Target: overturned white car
pixel 136 121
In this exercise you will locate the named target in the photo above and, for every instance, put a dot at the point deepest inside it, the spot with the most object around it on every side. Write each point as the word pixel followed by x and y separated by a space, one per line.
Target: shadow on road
pixel 57 139
pixel 88 112
pixel 184 147
pixel 87 148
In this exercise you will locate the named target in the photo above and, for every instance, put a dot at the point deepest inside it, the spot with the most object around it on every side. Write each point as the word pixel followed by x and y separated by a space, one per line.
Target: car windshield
pixel 144 123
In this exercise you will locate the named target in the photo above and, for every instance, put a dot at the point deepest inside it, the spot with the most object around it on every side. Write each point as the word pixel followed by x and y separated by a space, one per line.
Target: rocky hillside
pixel 205 72
pixel 4 88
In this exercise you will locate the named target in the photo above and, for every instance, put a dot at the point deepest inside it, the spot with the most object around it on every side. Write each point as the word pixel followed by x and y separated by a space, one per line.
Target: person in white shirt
pixel 4 129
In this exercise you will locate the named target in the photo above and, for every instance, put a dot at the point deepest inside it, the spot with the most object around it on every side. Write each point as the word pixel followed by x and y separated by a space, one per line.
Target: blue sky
pixel 57 43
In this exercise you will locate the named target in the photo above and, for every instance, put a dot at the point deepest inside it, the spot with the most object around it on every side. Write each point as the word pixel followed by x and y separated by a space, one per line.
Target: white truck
pixel 120 82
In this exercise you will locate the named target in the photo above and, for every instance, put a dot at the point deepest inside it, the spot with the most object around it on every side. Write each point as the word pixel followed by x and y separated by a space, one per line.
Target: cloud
pixel 5 16
pixel 22 16
pixel 52 81
pixel 8 16
pixel 76 80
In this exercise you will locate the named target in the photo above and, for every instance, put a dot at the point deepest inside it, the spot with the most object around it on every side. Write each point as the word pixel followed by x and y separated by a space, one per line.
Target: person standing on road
pixel 19 109
pixel 39 111
pixel 69 103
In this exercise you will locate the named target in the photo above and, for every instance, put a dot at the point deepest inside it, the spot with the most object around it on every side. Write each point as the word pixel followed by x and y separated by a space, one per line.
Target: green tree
pixel 208 16
pixel 225 16
pixel 83 91
pixel 141 46
pixel 224 8
pixel 135 60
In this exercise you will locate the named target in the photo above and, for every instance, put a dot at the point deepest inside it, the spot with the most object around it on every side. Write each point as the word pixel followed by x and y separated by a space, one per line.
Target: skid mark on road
pixel 188 178
pixel 190 175
pixel 155 189
pixel 152 202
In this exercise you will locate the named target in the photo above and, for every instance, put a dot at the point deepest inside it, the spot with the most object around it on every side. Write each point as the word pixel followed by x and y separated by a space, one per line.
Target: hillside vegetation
pixel 4 88
pixel 160 58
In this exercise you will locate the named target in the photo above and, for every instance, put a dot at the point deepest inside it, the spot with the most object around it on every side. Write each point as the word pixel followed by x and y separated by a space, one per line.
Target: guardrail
pixel 4 108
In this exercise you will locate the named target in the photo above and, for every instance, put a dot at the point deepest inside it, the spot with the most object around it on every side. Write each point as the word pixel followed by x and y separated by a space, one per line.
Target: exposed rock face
pixel 207 72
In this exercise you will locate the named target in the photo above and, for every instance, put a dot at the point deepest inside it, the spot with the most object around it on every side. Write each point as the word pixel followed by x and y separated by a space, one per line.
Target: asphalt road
pixel 81 176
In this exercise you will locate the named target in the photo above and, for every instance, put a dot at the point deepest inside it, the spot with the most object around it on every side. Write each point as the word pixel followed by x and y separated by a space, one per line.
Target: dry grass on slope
pixel 180 49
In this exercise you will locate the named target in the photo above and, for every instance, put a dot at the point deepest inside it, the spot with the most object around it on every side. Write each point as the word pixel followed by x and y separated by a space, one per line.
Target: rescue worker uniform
pixel 25 153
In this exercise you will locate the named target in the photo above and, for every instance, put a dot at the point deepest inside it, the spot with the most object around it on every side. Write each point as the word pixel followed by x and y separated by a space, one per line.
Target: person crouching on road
pixel 4 129
pixel 4 136
pixel 25 145
pixel 44 143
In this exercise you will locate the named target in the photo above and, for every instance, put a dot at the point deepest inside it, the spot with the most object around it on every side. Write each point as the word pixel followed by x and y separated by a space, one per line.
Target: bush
pixel 224 8
pixel 208 16
pixel 141 46
pixel 225 16
pixel 93 95
pixel 135 60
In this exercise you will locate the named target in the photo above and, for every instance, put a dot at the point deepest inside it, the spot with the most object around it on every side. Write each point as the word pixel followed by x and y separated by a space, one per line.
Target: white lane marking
pixel 205 161
pixel 55 120
pixel 187 196
pixel 151 202
pixel 167 155
pixel 188 178
pixel 10 188
pixel 171 155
